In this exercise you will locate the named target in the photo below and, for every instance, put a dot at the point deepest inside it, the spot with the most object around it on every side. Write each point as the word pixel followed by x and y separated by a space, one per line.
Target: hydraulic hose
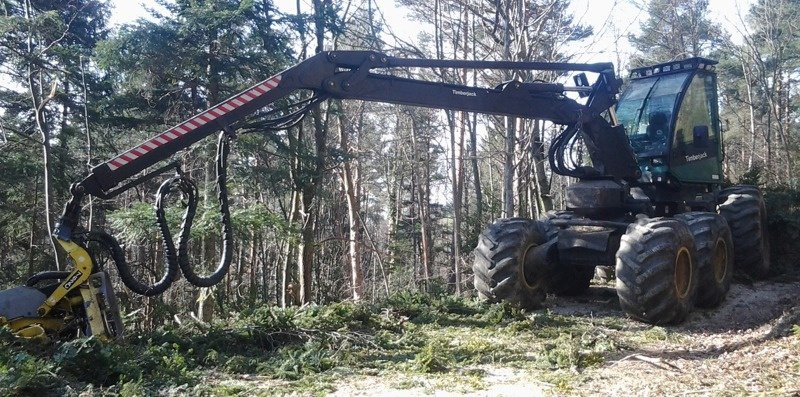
pixel 171 258
pixel 562 151
pixel 176 258
pixel 95 240
pixel 223 148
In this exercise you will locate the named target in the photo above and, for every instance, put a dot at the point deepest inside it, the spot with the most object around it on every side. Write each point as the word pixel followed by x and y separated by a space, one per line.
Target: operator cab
pixel 671 116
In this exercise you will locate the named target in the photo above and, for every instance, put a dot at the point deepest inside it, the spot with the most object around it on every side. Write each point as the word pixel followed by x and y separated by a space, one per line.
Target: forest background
pixel 362 200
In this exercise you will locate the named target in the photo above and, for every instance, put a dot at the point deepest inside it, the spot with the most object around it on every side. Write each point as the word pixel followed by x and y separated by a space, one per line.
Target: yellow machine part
pixel 100 306
pixel 39 327
pixel 32 331
pixel 81 273
pixel 35 327
pixel 102 318
pixel 93 313
pixel 81 292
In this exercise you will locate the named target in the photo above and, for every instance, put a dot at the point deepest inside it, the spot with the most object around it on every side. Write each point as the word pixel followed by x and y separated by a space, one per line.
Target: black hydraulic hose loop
pixel 556 152
pixel 170 254
pixel 189 189
pixel 171 257
pixel 174 260
pixel 561 152
pixel 178 257
pixel 46 275
pixel 107 242
pixel 117 254
pixel 223 148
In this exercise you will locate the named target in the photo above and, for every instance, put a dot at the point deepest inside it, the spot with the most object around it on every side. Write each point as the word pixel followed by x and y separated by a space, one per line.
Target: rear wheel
pixel 739 189
pixel 743 208
pixel 712 238
pixel 504 266
pixel 656 276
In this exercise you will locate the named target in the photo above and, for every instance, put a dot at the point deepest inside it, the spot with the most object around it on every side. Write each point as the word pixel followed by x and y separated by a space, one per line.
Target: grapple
pixel 89 308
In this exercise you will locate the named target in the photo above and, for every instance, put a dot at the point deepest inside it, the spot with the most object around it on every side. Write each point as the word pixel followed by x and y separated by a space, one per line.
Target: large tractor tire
pixel 714 244
pixel 504 267
pixel 739 189
pixel 743 208
pixel 656 275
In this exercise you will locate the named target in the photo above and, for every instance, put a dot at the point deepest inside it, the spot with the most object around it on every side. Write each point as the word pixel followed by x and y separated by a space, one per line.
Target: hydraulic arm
pixel 349 75
pixel 359 75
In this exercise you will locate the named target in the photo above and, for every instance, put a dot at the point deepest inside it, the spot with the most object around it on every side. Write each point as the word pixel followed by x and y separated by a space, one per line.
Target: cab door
pixel 696 150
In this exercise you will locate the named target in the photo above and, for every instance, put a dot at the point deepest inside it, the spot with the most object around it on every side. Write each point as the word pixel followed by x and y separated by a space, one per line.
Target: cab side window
pixel 694 128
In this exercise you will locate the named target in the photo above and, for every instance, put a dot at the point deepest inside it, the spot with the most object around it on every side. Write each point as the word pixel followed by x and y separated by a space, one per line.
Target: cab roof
pixel 673 67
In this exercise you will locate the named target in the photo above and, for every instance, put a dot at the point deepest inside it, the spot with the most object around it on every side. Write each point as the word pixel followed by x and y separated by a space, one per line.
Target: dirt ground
pixel 744 347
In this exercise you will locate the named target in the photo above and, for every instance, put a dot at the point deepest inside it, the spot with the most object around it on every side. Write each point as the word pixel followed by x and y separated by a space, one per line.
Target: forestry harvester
pixel 649 200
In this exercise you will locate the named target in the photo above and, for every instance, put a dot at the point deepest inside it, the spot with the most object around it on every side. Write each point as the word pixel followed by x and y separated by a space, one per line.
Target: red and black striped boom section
pixel 347 75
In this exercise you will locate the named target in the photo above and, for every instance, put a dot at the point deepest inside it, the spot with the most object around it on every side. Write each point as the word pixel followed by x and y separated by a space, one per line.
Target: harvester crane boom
pixel 344 75
pixel 348 75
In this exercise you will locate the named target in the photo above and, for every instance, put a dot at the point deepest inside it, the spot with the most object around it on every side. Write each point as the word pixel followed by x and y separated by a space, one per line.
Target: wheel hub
pixel 683 272
pixel 720 261
pixel 536 265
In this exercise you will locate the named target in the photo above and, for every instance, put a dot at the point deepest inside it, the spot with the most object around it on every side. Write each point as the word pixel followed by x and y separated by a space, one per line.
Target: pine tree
pixel 674 29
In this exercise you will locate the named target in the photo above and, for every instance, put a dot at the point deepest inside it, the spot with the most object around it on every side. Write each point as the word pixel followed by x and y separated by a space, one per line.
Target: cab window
pixel 695 129
pixel 646 111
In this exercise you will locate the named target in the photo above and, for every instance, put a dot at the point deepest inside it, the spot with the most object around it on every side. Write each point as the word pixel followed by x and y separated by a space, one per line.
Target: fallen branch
pixel 657 362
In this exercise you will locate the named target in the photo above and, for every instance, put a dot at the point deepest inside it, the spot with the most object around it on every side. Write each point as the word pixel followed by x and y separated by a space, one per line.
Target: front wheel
pixel 505 266
pixel 656 274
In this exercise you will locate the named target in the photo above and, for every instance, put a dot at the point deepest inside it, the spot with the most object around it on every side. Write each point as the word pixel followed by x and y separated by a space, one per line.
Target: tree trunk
pixel 476 176
pixel 38 103
pixel 540 179
pixel 34 216
pixel 252 259
pixel 752 113
pixel 422 192
pixel 308 210
pixel 90 217
pixel 508 168
pixel 286 268
pixel 510 125
pixel 520 167
pixel 349 178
